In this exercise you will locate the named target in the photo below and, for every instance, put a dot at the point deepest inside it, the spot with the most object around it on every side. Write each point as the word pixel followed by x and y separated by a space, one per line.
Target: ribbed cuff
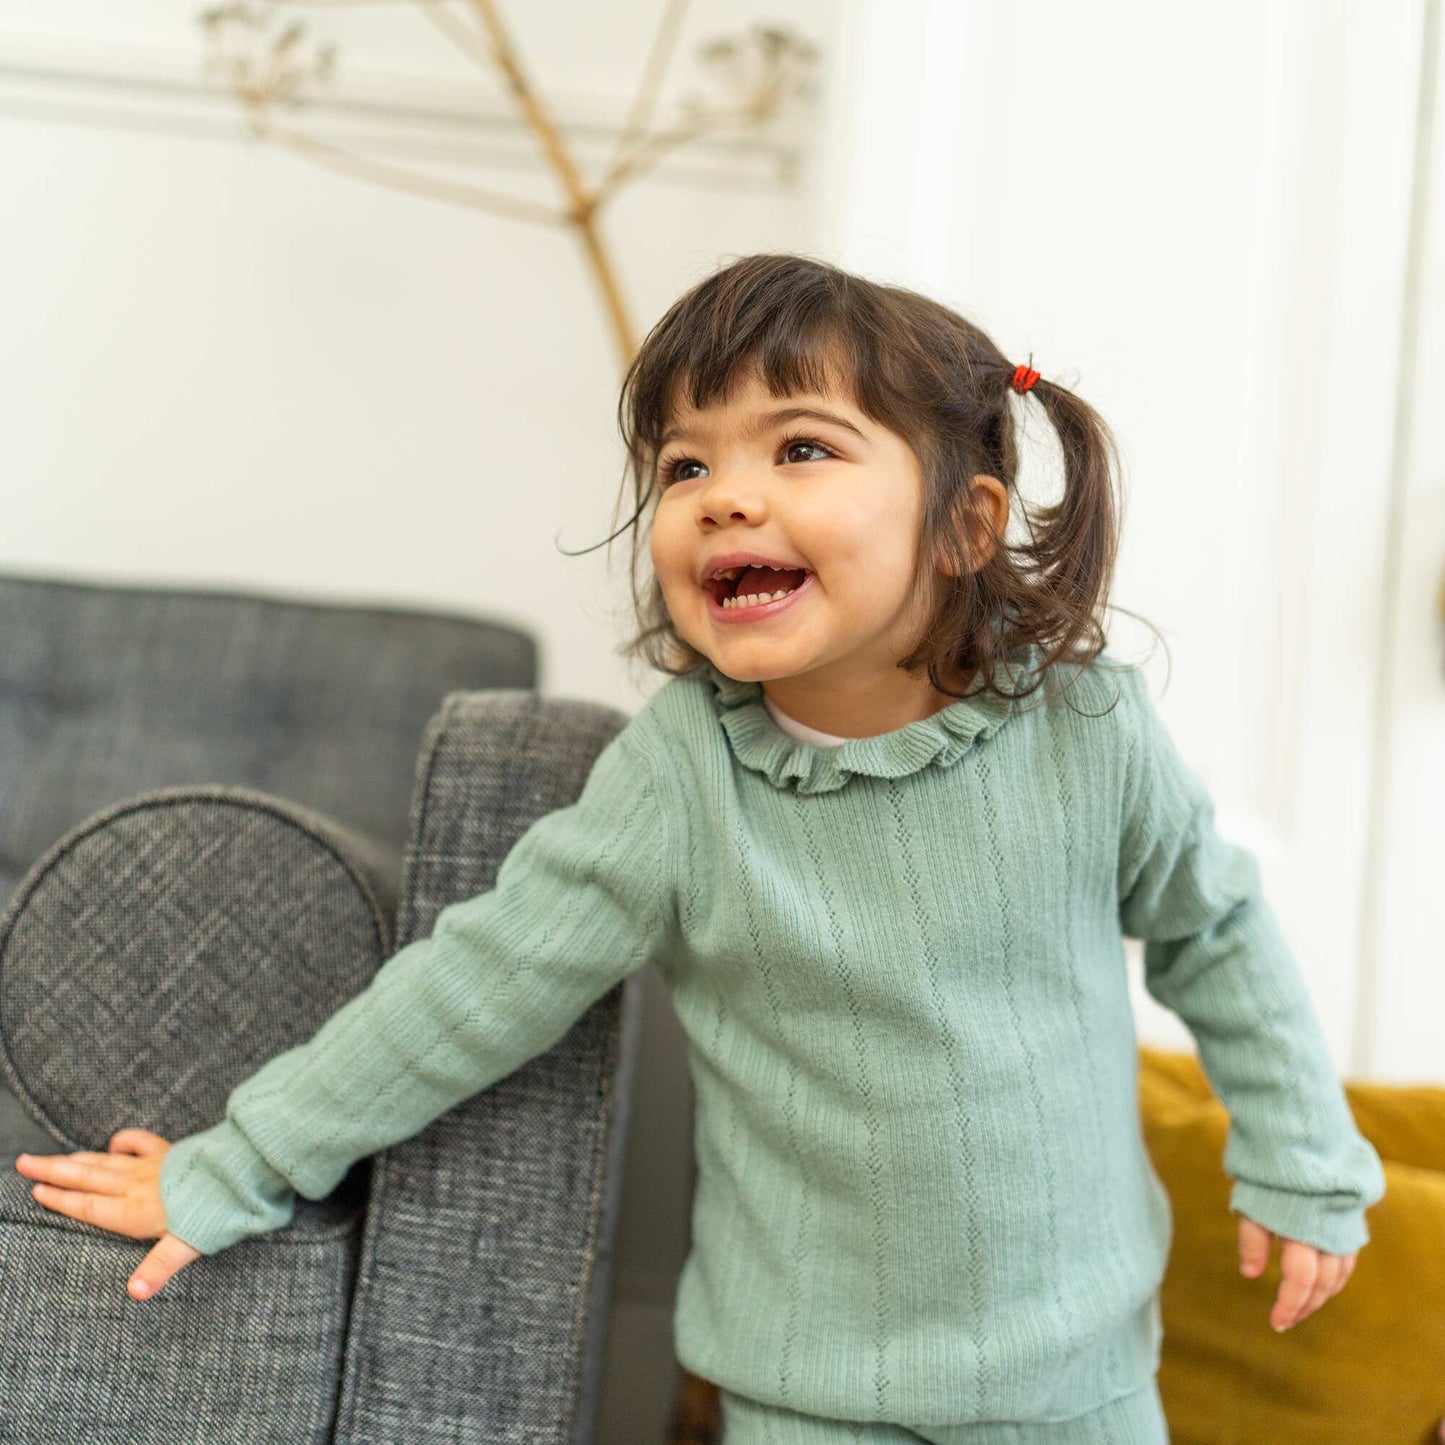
pixel 216 1189
pixel 1313 1219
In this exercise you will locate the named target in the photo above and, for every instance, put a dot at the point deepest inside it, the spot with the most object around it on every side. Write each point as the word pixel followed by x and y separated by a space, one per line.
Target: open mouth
pixel 742 588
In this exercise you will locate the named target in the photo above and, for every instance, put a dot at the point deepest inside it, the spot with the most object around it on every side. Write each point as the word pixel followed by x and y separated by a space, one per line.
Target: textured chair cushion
pixel 168 947
pixel 154 957
pixel 108 691
pixel 1364 1369
pixel 241 1349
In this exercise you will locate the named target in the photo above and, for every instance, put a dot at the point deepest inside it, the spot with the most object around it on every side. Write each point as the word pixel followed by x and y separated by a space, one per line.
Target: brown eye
pixel 791 445
pixel 667 472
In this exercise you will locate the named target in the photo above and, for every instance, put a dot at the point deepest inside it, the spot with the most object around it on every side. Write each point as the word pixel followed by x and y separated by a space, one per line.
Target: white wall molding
pixel 437 116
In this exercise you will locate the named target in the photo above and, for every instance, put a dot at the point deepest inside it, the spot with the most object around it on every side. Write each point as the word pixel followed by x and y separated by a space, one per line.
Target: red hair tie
pixel 1024 377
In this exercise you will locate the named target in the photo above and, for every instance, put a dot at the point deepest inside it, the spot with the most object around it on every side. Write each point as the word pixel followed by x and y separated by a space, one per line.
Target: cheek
pixel 865 531
pixel 672 559
pixel 663 546
pixel 872 570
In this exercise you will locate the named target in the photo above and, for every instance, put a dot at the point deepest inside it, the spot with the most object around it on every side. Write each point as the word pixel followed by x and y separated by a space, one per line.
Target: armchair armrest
pixel 169 945
pixel 154 957
pixel 516 1191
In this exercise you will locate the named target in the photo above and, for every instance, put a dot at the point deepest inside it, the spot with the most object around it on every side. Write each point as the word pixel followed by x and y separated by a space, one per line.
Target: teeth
pixel 732 572
pixel 755 599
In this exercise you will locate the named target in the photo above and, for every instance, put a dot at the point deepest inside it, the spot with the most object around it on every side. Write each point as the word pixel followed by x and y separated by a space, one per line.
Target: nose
pixel 732 496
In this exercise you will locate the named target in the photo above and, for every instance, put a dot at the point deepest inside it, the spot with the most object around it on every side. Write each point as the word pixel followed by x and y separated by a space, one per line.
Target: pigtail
pixel 1050 588
pixel 1073 543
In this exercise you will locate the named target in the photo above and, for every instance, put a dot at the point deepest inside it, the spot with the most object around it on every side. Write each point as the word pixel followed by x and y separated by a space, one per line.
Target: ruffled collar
pixel 788 762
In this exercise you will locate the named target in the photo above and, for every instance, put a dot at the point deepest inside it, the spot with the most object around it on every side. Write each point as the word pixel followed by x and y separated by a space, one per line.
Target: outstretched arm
pixel 584 898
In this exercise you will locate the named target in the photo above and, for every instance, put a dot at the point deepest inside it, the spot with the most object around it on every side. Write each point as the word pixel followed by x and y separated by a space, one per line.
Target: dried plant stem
pixel 648 88
pixel 582 205
pixel 401 179
pixel 489 44
pixel 647 155
pixel 467 41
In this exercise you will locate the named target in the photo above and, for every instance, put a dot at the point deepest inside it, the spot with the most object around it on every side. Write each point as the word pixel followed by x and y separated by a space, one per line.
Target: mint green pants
pixel 1136 1419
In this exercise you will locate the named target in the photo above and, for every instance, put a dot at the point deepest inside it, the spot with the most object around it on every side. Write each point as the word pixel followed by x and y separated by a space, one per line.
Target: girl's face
pixel 837 495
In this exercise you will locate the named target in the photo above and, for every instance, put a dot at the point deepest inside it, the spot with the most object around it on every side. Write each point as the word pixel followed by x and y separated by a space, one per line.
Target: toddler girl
pixel 882 832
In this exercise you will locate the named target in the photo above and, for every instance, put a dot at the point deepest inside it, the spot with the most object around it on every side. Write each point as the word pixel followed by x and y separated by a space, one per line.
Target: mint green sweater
pixel 923 1194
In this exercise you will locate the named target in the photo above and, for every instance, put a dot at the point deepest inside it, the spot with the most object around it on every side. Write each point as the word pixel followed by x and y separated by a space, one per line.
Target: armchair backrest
pixel 107 691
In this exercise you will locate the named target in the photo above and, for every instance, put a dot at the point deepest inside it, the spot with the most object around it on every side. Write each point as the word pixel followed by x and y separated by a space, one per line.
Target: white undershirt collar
pixel 802 731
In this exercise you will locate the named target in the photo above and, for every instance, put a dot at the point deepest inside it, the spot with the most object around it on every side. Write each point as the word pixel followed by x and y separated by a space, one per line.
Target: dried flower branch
pixel 267 62
pixel 472 45
pixel 261 72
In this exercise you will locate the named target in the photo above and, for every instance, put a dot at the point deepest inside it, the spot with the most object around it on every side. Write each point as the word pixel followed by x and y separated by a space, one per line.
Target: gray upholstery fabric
pixel 110 691
pixel 242 1349
pixel 169 946
pixel 453 1288
pixel 516 1190
pixel 154 957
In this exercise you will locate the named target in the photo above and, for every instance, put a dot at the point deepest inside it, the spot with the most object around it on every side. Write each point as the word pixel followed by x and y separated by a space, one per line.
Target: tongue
pixel 768 579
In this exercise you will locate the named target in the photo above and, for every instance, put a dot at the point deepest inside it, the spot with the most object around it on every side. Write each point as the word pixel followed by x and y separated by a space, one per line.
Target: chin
pixel 750 659
pixel 743 671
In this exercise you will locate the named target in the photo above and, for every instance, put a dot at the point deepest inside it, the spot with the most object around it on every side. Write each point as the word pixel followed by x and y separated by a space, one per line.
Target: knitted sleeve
pixel 1214 954
pixel 584 898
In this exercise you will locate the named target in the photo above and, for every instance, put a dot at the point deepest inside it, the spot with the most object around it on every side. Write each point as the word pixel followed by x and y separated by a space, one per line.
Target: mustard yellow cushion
pixel 1369 1365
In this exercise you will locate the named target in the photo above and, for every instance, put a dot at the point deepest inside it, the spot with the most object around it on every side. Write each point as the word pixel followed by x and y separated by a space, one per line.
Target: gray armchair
pixel 164 945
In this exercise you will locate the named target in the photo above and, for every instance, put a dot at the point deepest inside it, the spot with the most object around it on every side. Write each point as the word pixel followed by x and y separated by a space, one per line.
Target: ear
pixel 983 526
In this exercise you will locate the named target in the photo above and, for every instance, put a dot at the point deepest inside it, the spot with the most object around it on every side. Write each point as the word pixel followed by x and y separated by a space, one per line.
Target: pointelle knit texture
pixel 923 1193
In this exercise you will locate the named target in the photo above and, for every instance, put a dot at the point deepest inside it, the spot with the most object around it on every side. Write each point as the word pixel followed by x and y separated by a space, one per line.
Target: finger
pixel 1254 1244
pixel 1344 1264
pixel 33 1162
pixel 1300 1267
pixel 167 1258
pixel 94 1172
pixel 1346 1270
pixel 1324 1284
pixel 105 1211
pixel 137 1141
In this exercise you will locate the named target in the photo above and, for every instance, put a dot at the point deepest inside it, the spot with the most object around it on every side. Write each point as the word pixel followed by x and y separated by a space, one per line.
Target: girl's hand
pixel 119 1191
pixel 1310 1275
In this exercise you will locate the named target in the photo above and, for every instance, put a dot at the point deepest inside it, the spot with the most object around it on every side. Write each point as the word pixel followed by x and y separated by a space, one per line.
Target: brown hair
pixel 936 380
